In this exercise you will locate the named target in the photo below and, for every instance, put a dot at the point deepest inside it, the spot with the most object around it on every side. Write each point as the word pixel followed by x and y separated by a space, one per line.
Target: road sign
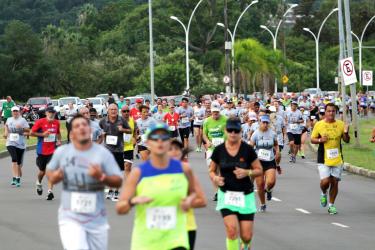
pixel 228 45
pixel 226 79
pixel 348 71
pixel 367 77
pixel 285 79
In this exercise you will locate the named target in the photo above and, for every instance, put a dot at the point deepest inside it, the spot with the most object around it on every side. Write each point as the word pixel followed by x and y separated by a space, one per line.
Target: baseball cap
pixel 50 109
pixel 15 108
pixel 156 127
pixel 138 100
pixel 215 107
pixel 294 102
pixel 233 124
pixel 272 108
pixel 265 118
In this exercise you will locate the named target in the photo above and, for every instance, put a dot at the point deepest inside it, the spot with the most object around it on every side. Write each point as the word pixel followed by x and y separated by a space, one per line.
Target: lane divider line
pixel 303 211
pixel 339 225
pixel 276 199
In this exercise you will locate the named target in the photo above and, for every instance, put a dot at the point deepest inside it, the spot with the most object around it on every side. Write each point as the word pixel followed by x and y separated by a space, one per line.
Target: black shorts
pixel 119 158
pixel 198 126
pixel 304 130
pixel 184 133
pixel 141 148
pixel 192 237
pixel 296 138
pixel 16 154
pixel 42 161
pixel 225 212
pixel 268 165
pixel 174 134
pixel 129 155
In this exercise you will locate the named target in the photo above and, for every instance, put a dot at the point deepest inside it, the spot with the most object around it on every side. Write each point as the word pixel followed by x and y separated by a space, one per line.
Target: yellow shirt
pixel 128 146
pixel 330 152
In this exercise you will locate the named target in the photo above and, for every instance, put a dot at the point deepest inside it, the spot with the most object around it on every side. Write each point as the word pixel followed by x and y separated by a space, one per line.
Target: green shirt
pixel 286 103
pixel 7 109
pixel 121 104
pixel 215 128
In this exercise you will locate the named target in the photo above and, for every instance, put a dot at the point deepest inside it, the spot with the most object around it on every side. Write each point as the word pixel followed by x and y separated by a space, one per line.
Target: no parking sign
pixel 348 71
pixel 367 77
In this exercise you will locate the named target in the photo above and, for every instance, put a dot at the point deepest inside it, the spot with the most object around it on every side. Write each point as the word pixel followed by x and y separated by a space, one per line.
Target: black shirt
pixel 111 129
pixel 227 164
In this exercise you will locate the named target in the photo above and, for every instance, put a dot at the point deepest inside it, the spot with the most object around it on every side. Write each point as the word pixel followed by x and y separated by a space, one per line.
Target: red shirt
pixel 171 120
pixel 135 113
pixel 46 145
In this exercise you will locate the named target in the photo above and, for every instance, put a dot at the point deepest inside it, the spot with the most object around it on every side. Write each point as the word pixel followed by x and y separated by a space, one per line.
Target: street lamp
pixel 187 29
pixel 360 40
pixel 233 37
pixel 274 36
pixel 317 45
pixel 152 80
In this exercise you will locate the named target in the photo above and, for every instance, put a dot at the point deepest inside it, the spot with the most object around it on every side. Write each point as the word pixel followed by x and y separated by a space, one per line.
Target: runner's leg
pixel 246 232
pixel 231 229
pixel 260 187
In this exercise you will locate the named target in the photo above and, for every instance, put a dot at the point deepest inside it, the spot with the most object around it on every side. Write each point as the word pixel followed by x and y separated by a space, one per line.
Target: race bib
pixel 164 218
pixel 127 138
pixel 322 110
pixel 185 120
pixel 217 141
pixel 332 153
pixel 293 126
pixel 172 128
pixel 236 199
pixel 264 154
pixel 13 137
pixel 83 202
pixel 111 140
pixel 313 117
pixel 50 138
pixel 306 112
pixel 363 104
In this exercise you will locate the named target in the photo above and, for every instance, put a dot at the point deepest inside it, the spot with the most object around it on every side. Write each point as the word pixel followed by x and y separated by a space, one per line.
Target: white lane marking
pixel 276 199
pixel 339 225
pixel 310 162
pixel 303 211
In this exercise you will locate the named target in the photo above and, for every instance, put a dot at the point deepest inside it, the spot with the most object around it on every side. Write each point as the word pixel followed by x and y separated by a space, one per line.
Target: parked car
pixel 59 108
pixel 134 98
pixel 38 104
pixel 313 92
pixel 105 96
pixel 77 104
pixel 146 96
pixel 99 104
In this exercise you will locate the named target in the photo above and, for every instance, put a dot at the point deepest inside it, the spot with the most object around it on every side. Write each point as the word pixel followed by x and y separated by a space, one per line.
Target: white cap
pixel 15 108
pixel 272 108
pixel 252 116
pixel 215 107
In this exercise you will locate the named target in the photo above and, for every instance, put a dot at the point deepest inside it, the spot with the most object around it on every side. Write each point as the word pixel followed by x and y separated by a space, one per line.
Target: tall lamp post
pixel 152 81
pixel 360 42
pixel 233 37
pixel 274 36
pixel 316 37
pixel 187 29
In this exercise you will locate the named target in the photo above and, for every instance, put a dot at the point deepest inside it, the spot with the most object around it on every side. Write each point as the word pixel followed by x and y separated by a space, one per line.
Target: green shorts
pixel 245 206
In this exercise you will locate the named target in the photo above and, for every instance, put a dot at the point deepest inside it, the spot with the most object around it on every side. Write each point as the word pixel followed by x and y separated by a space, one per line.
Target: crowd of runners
pixel 240 142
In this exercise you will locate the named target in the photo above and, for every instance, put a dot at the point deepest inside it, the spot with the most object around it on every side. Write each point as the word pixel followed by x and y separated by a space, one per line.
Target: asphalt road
pixel 294 220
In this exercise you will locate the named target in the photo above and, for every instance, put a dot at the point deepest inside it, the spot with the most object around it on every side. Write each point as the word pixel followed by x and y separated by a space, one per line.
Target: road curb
pixel 350 167
pixel 5 154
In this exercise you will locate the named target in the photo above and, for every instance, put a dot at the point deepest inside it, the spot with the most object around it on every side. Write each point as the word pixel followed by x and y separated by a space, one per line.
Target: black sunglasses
pixel 231 130
pixel 156 137
pixel 125 111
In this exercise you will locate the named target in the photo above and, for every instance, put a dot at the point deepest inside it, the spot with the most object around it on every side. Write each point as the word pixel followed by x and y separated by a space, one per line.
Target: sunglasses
pixel 125 111
pixel 15 111
pixel 231 130
pixel 157 137
pixel 265 122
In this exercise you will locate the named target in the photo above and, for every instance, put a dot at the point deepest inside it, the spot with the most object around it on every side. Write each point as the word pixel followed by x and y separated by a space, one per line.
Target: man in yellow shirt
pixel 328 134
pixel 129 140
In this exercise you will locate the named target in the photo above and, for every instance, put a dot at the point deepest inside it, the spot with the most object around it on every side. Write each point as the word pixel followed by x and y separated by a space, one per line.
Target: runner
pixel 293 118
pixel 69 113
pixel 129 140
pixel 198 118
pixel 7 108
pixel 135 112
pixel 143 124
pixel 159 115
pixel 49 137
pixel 230 110
pixel 278 126
pixel 96 132
pixel 162 191
pixel 84 168
pixel 237 163
pixel 177 152
pixel 247 126
pixel 14 130
pixel 171 118
pixel 264 139
pixel 186 116
pixel 328 134
pixel 114 128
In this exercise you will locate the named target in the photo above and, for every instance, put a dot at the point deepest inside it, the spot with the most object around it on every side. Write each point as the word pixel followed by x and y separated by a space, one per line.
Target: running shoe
pixel 302 155
pixel 291 158
pixel 245 247
pixel 332 210
pixel 50 196
pixel 262 208
pixel 14 181
pixel 323 200
pixel 269 195
pixel 197 150
pixel 39 188
pixel 115 196
pixel 109 195
pixel 214 198
pixel 18 182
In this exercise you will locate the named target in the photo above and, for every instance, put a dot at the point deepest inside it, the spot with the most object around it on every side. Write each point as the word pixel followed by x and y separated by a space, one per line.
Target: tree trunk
pixel 253 81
